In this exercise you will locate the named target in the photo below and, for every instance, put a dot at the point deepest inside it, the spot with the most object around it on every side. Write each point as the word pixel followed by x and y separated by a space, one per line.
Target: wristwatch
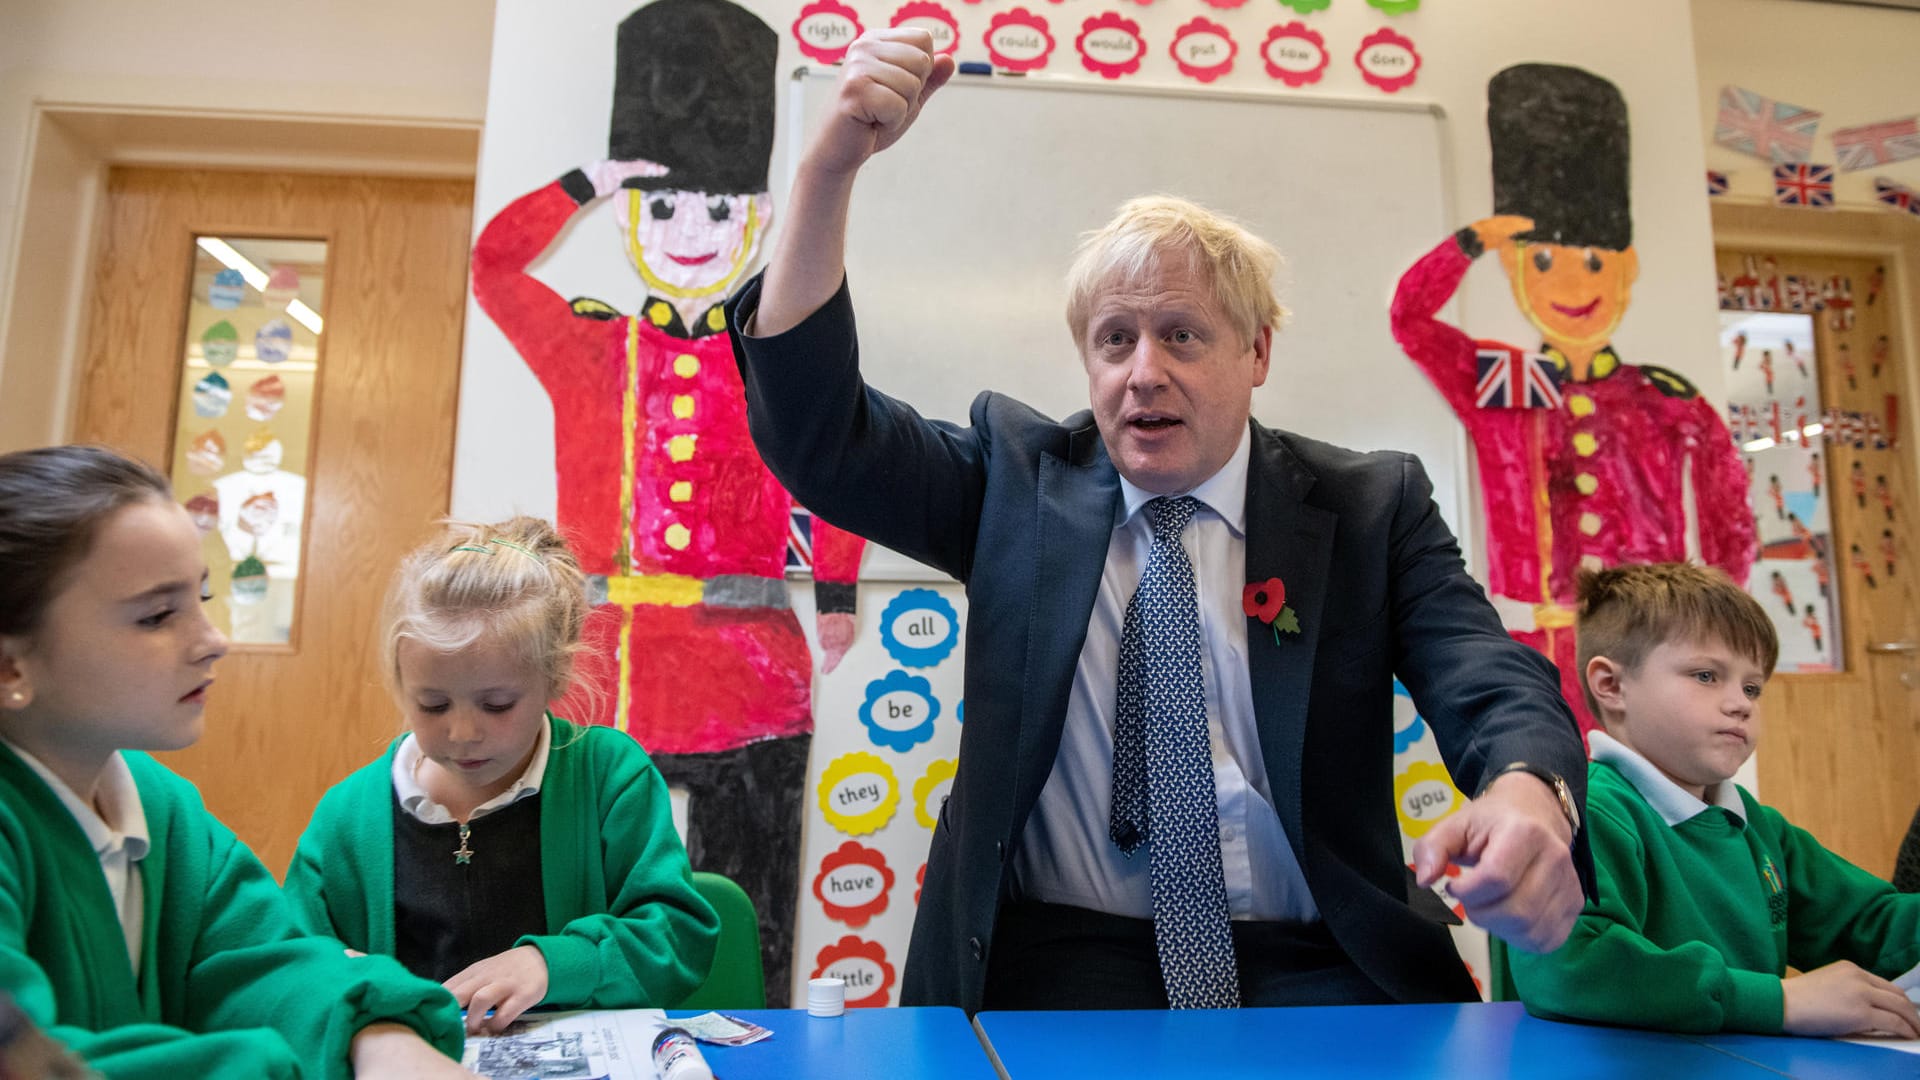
pixel 1553 780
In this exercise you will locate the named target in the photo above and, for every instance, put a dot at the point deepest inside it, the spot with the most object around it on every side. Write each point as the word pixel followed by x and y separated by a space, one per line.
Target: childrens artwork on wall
pixel 1204 50
pixel 1896 196
pixel 1019 41
pixel 1785 460
pixel 1110 45
pixel 1761 127
pixel 684 534
pixel 885 766
pixel 1804 185
pixel 1584 458
pixel 1881 143
pixel 1387 60
pixel 1424 793
pixel 1294 54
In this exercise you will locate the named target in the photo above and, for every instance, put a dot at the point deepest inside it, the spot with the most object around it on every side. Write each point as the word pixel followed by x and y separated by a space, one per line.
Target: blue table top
pixel 1816 1059
pixel 1396 1041
pixel 907 1044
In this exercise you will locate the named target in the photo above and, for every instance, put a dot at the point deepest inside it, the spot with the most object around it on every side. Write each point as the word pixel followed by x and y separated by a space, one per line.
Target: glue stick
pixel 677 1057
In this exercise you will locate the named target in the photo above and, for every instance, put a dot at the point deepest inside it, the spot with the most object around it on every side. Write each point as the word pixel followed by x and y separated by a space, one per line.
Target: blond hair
pixel 515 581
pixel 1145 233
pixel 1625 612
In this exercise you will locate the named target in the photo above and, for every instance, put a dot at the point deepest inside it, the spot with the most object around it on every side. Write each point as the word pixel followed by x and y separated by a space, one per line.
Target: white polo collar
pixel 1672 802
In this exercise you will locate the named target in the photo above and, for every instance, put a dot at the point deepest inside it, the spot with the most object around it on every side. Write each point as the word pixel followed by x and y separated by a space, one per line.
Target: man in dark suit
pixel 1174 783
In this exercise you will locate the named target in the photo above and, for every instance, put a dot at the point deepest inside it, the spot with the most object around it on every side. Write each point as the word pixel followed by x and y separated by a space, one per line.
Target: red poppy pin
pixel 1267 601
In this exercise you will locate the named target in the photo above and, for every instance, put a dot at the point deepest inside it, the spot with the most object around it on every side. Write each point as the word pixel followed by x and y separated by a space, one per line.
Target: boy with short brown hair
pixel 1705 895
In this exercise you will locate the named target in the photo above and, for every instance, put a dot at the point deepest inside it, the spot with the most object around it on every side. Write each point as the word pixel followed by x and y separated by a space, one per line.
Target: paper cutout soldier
pixel 1588 469
pixel 683 530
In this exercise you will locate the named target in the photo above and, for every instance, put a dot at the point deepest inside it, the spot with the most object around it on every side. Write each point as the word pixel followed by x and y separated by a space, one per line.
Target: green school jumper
pixel 625 928
pixel 1696 923
pixel 229 985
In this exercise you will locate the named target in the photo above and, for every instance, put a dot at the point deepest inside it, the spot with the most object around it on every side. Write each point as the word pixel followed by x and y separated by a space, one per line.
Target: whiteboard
pixel 962 232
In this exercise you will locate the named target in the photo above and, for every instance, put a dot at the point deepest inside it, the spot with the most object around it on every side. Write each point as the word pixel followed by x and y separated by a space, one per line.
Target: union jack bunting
pixel 800 539
pixel 1770 130
pixel 1896 196
pixel 1803 185
pixel 1716 183
pixel 1868 145
pixel 1512 379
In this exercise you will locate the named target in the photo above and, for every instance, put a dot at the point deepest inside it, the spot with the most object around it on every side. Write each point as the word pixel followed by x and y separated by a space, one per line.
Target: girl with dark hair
pixel 119 892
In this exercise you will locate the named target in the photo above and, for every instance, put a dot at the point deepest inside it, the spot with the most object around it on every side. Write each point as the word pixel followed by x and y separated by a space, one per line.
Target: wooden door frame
pixel 62 190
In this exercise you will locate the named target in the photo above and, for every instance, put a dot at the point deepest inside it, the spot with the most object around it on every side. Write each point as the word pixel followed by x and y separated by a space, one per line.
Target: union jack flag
pixel 1803 185
pixel 1868 145
pixel 800 539
pixel 1895 196
pixel 1716 183
pixel 1512 379
pixel 1771 130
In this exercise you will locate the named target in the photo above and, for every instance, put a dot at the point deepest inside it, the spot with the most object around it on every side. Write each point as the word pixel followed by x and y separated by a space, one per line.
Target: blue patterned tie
pixel 1163 771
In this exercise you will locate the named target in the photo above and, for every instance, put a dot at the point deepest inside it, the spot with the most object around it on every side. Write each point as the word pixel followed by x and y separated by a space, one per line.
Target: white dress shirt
pixel 1672 802
pixel 1065 855
pixel 116 826
pixel 415 800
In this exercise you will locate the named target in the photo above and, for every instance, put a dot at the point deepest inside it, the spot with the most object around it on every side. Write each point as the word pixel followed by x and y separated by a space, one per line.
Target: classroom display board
pixel 961 235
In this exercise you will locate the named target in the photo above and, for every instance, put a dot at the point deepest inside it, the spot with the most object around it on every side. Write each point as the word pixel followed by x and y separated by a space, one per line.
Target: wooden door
pixel 285 722
pixel 1839 752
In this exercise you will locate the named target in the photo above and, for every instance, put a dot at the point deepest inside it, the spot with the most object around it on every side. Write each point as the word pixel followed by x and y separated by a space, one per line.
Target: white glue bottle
pixel 677 1057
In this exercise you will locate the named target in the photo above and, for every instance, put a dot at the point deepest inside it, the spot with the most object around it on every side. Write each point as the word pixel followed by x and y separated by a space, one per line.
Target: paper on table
pixel 606 1044
pixel 1910 982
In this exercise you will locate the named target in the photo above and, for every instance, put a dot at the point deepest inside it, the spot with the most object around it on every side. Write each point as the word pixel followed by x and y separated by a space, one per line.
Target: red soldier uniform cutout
pixel 1814 471
pixel 682 529
pixel 1823 577
pixel 1861 564
pixel 1857 480
pixel 1884 494
pixel 1889 548
pixel 1778 496
pixel 1595 474
pixel 1812 623
pixel 1781 590
pixel 1739 348
pixel 1766 367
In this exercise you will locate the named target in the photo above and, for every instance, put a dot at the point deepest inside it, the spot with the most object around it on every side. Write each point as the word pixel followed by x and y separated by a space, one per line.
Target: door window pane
pixel 250 369
pixel 1776 416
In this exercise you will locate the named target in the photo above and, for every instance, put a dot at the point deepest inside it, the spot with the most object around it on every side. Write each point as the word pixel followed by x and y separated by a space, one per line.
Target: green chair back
pixel 1500 973
pixel 736 981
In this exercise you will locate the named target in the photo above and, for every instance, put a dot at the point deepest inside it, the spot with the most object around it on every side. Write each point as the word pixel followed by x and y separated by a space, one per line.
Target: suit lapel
pixel 1079 499
pixel 1293 541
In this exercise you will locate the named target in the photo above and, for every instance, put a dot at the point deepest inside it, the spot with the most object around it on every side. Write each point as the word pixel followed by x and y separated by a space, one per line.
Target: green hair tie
pixel 516 547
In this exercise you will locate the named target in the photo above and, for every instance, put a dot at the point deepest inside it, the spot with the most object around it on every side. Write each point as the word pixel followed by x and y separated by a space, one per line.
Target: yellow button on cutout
pixel 1590 524
pixel 1580 405
pixel 678 537
pixel 659 314
pixel 680 491
pixel 680 447
pixel 683 406
pixel 686 365
pixel 1587 483
pixel 717 319
pixel 1585 444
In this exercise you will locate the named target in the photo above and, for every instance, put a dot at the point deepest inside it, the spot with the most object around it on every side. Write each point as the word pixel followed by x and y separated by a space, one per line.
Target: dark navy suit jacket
pixel 1020 508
